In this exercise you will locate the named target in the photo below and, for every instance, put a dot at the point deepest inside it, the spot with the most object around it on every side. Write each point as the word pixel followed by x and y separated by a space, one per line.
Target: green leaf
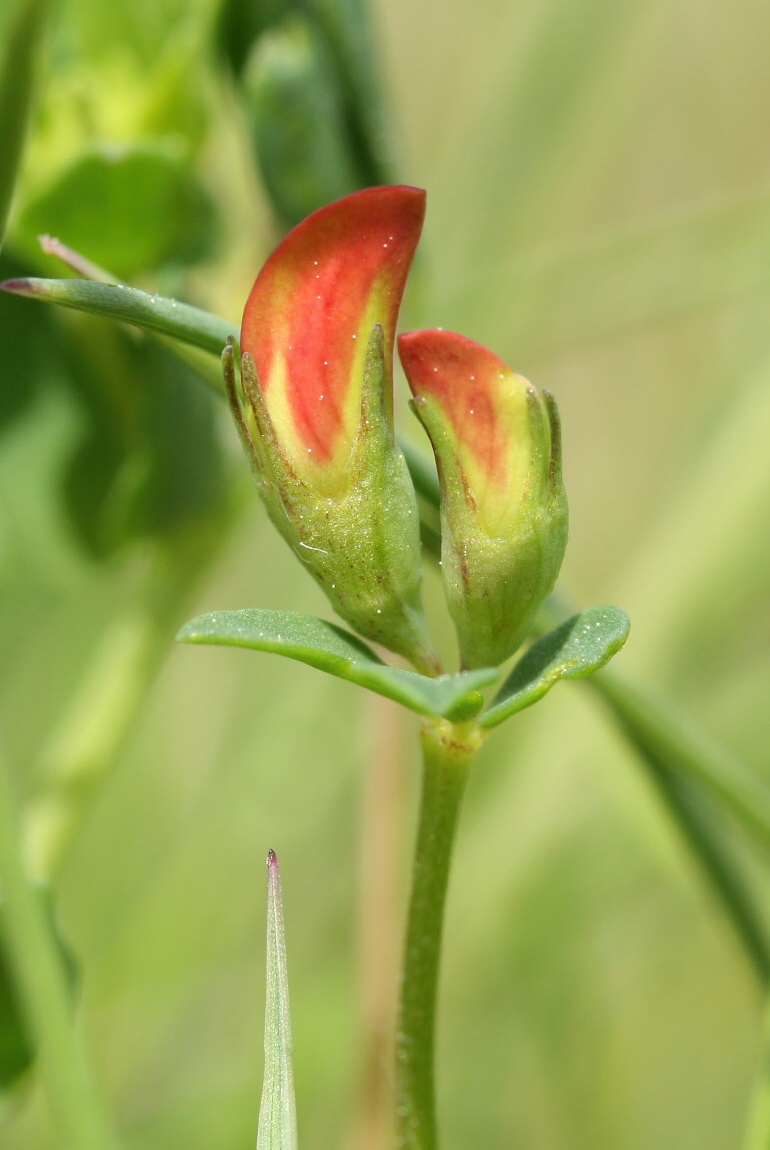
pixel 277 1112
pixel 661 734
pixel 155 313
pixel 18 62
pixel 17 1049
pixel 298 119
pixel 575 649
pixel 152 208
pixel 331 649
pixel 16 1053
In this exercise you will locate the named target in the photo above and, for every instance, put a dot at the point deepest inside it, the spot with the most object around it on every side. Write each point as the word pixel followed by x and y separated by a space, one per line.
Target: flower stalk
pixel 448 752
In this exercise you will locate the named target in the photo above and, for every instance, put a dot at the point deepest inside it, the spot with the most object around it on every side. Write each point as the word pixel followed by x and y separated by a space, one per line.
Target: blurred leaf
pixel 241 22
pixel 28 351
pixel 296 108
pixel 348 28
pixel 575 649
pixel 17 1052
pixel 116 301
pixel 130 208
pixel 18 59
pixel 662 735
pixel 331 649
pixel 277 1112
pixel 182 475
pixel 149 462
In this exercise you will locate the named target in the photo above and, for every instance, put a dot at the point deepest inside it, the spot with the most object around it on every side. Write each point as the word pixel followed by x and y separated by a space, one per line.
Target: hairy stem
pixel 448 751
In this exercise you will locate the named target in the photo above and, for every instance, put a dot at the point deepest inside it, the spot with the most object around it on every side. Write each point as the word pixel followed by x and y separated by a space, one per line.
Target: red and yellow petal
pixel 483 404
pixel 311 311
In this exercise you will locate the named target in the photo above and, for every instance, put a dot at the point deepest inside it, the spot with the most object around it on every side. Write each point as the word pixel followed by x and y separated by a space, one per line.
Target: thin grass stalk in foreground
pixel 277 1113
pixel 43 988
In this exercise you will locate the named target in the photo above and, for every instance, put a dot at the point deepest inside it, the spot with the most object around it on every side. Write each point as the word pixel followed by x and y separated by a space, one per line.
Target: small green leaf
pixel 331 649
pixel 18 65
pixel 575 649
pixel 277 1112
pixel 117 301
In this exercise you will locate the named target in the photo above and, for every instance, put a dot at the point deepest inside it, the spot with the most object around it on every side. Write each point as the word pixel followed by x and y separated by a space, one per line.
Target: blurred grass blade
pixel 277 1112
pixel 18 67
pixel 337 652
pixel 42 983
pixel 757 1134
pixel 704 827
pixel 154 313
pixel 348 26
pixel 573 650
pixel 662 735
pixel 299 121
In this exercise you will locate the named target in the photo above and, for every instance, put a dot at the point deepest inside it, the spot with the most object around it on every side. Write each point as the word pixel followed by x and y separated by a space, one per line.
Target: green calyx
pixel 495 579
pixel 362 545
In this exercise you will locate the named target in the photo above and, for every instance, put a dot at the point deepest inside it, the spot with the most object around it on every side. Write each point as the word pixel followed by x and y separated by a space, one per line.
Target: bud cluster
pixel 315 414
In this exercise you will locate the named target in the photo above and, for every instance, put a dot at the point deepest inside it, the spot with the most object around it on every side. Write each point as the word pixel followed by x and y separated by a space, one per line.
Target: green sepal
pixel 335 651
pixel 496 580
pixel 572 651
pixel 358 535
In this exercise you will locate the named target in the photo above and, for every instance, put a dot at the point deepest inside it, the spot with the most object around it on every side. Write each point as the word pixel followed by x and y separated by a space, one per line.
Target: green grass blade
pixel 660 734
pixel 277 1112
pixel 18 68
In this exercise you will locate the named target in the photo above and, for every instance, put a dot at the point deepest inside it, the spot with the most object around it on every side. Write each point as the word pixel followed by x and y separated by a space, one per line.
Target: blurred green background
pixel 599 214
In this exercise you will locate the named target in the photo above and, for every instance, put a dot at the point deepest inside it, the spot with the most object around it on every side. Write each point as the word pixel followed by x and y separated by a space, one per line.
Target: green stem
pixel 44 993
pixel 448 751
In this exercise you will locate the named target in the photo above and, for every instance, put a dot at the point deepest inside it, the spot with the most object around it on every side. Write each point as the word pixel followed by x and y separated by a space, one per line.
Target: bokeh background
pixel 599 214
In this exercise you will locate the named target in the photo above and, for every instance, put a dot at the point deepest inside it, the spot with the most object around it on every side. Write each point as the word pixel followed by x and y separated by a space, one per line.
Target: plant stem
pixel 44 992
pixel 448 751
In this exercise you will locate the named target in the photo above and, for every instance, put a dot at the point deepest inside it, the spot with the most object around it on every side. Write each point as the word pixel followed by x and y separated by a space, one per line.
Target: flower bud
pixel 503 506
pixel 315 414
